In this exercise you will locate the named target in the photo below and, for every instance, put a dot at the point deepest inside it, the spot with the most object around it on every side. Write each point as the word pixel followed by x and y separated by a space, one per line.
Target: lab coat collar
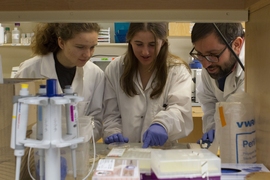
pixel 47 68
pixel 230 85
pixel 77 83
pixel 138 82
pixel 232 80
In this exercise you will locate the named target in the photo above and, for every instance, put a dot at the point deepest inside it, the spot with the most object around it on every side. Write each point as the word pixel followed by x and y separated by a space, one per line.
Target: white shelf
pixel 102 44
pixel 195 104
pixel 111 44
pixel 18 45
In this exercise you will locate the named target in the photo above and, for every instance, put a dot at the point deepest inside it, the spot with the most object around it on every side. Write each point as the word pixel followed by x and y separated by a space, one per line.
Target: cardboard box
pixel 8 89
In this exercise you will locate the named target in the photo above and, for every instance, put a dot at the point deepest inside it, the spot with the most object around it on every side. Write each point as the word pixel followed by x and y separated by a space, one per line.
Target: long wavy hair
pixel 46 35
pixel 161 63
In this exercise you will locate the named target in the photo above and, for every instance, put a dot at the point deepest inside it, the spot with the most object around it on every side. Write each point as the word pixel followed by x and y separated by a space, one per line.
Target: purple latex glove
pixel 116 138
pixel 156 135
pixel 208 137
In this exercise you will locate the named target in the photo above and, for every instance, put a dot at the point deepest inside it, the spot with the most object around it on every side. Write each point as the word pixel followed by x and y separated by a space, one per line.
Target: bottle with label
pixel 1 35
pixel 17 25
pixel 7 38
pixel 16 35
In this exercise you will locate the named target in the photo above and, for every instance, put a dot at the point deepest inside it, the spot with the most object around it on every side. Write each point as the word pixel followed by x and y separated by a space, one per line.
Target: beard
pixel 225 69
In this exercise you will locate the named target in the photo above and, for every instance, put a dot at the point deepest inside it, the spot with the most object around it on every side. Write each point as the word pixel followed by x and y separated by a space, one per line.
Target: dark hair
pixel 229 30
pixel 161 63
pixel 46 35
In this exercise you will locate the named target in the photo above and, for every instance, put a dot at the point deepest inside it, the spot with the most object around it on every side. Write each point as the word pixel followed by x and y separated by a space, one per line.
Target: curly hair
pixel 46 35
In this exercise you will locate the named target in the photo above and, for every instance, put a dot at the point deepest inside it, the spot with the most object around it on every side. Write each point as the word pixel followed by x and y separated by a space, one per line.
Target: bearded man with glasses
pixel 222 73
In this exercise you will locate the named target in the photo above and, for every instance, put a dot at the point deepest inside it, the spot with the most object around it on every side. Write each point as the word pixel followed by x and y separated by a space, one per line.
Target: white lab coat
pixel 209 93
pixel 88 82
pixel 132 116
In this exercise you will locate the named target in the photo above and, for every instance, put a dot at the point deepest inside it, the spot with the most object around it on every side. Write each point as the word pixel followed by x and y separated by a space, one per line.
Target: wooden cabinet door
pixel 180 29
pixel 196 133
pixel 183 29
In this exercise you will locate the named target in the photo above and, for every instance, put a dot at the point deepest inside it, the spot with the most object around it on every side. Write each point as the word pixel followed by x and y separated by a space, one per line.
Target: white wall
pixel 13 56
pixel 181 46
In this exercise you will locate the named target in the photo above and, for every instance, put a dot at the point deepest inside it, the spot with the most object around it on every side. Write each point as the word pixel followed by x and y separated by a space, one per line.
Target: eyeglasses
pixel 210 58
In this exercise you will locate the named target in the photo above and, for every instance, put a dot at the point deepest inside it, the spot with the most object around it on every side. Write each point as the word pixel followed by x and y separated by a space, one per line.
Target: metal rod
pixel 230 48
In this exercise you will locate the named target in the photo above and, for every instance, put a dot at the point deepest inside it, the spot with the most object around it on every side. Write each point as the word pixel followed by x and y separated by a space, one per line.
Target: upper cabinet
pixel 183 29
pixel 123 10
pixel 180 29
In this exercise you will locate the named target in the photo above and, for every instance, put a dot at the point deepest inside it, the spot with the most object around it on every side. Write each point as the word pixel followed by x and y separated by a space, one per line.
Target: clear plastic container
pixel 118 145
pixel 82 151
pixel 116 169
pixel 185 163
pixel 23 38
pixel 29 38
pixel 140 154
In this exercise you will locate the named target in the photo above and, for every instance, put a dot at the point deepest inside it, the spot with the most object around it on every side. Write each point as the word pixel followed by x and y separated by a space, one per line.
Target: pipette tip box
pixel 185 164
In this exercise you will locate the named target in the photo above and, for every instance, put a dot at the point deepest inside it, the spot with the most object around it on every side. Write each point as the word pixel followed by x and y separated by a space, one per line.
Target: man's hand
pixel 208 137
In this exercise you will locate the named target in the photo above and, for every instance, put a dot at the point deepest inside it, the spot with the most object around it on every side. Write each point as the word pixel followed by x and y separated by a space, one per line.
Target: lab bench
pixel 103 149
